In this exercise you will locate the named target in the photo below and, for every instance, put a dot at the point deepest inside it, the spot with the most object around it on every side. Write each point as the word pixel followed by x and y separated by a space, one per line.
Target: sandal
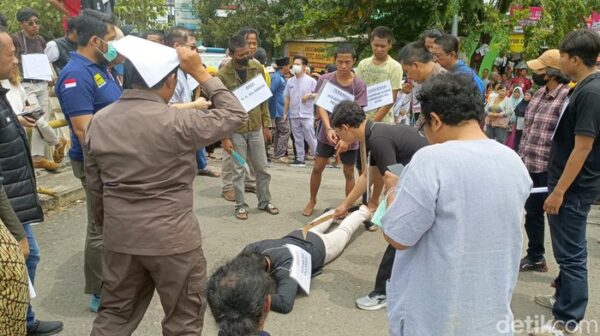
pixel 241 214
pixel 271 209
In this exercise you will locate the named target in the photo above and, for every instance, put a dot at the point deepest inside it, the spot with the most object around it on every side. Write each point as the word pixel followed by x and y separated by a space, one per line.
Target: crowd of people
pixel 450 162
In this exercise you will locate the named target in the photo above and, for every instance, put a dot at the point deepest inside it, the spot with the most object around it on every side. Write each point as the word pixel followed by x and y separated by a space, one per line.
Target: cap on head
pixel 549 59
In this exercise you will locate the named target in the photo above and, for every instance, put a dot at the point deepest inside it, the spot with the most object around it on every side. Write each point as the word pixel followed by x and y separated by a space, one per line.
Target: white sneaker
pixel 547 301
pixel 373 301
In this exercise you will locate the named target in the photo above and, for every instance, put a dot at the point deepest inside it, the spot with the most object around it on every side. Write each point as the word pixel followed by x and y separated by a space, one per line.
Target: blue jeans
pixel 32 261
pixel 568 232
pixel 201 159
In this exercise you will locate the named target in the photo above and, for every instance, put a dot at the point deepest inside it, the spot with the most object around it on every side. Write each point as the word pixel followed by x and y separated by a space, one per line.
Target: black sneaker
pixel 297 163
pixel 530 266
pixel 45 328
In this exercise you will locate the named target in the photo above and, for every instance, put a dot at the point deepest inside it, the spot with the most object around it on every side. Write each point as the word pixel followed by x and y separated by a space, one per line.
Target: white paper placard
pixel 192 83
pixel 36 66
pixel 152 60
pixel 253 93
pixel 301 269
pixel 379 95
pixel 331 95
pixel 539 190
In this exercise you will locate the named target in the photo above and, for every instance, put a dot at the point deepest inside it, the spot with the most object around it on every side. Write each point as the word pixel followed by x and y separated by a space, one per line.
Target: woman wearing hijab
pixel 519 116
pixel 515 98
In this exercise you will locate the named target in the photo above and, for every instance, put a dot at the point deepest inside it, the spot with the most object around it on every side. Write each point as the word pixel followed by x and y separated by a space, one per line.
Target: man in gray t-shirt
pixel 455 222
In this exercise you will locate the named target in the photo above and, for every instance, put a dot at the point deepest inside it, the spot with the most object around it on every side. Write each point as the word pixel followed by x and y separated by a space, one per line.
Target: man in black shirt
pixel 574 180
pixel 323 248
pixel 389 145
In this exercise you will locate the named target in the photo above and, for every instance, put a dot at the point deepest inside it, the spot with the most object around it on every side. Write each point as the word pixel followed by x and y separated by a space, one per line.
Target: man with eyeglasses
pixel 182 97
pixel 445 53
pixel 28 41
pixel 84 87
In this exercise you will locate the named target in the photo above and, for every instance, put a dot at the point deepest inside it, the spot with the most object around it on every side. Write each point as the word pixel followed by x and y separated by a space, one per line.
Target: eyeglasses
pixel 32 23
pixel 438 55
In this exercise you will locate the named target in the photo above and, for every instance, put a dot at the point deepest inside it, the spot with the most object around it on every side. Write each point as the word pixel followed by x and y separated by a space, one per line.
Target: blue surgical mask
pixel 111 52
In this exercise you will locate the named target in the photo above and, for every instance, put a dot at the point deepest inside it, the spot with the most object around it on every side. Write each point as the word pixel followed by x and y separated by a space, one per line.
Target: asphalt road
pixel 329 310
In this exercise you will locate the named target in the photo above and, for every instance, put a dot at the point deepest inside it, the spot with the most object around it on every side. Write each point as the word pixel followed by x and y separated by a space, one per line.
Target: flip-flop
pixel 271 209
pixel 241 214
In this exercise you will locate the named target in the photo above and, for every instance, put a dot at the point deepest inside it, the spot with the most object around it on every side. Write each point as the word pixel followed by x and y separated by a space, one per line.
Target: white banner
pixel 301 269
pixel 331 95
pixel 379 95
pixel 253 93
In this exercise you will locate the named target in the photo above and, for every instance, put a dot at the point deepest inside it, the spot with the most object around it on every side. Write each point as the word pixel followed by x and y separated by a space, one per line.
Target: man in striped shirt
pixel 541 118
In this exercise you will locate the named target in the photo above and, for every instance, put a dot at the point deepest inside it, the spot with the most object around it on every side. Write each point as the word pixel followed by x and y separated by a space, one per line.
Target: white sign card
pixel 379 95
pixel 301 269
pixel 253 93
pixel 192 83
pixel 36 66
pixel 539 190
pixel 331 95
pixel 152 60
pixel 32 293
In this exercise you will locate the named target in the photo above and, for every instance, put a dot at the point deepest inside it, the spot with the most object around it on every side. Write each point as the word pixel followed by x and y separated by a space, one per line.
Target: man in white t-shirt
pixel 379 68
pixel 455 222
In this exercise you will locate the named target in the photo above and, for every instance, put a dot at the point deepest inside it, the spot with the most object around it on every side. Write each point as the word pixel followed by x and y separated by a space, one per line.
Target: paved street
pixel 329 310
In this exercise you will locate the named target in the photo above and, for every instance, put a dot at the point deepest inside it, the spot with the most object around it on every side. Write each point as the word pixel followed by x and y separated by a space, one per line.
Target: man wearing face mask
pixel 84 87
pixel 248 140
pixel 541 117
pixel 299 108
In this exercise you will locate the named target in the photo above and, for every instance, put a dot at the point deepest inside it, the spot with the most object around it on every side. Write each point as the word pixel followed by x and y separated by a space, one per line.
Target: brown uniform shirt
pixel 140 165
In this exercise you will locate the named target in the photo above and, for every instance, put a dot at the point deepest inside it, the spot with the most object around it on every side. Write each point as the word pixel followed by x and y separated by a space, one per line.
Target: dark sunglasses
pixel 32 23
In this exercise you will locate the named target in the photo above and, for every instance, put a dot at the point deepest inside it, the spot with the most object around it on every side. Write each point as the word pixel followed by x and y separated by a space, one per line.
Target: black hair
pixel 414 52
pixel 236 42
pixel 582 43
pixel 449 43
pixel 383 32
pixel 430 33
pixel 348 113
pixel 453 97
pixel 558 76
pixel 176 34
pixel 236 294
pixel 303 59
pixel 133 80
pixel 3 21
pixel 71 25
pixel 345 48
pixel 245 31
pixel 92 23
pixel 26 13
pixel 261 55
pixel 331 68
pixel 158 33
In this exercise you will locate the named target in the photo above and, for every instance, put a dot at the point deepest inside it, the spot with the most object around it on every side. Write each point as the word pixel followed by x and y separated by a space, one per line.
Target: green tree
pixel 141 13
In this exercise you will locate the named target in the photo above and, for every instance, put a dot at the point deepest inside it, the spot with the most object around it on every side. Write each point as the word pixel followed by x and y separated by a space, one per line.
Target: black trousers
pixel 534 218
pixel 384 273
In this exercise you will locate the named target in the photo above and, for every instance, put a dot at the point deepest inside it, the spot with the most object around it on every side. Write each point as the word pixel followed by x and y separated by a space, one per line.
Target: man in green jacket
pixel 248 140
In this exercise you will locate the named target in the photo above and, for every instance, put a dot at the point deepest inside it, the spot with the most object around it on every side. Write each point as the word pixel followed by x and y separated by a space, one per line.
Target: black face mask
pixel 243 62
pixel 539 79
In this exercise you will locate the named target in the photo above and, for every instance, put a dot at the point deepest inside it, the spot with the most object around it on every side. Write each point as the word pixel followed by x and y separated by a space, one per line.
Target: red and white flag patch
pixel 70 83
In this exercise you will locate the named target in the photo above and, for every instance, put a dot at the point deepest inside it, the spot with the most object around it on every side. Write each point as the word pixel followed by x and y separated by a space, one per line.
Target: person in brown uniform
pixel 140 165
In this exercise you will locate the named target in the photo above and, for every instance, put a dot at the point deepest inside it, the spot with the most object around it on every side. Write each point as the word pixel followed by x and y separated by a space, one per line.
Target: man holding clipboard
pixel 390 147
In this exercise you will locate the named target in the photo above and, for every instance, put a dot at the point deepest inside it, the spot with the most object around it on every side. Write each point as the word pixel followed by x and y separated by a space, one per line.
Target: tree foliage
pixel 141 13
